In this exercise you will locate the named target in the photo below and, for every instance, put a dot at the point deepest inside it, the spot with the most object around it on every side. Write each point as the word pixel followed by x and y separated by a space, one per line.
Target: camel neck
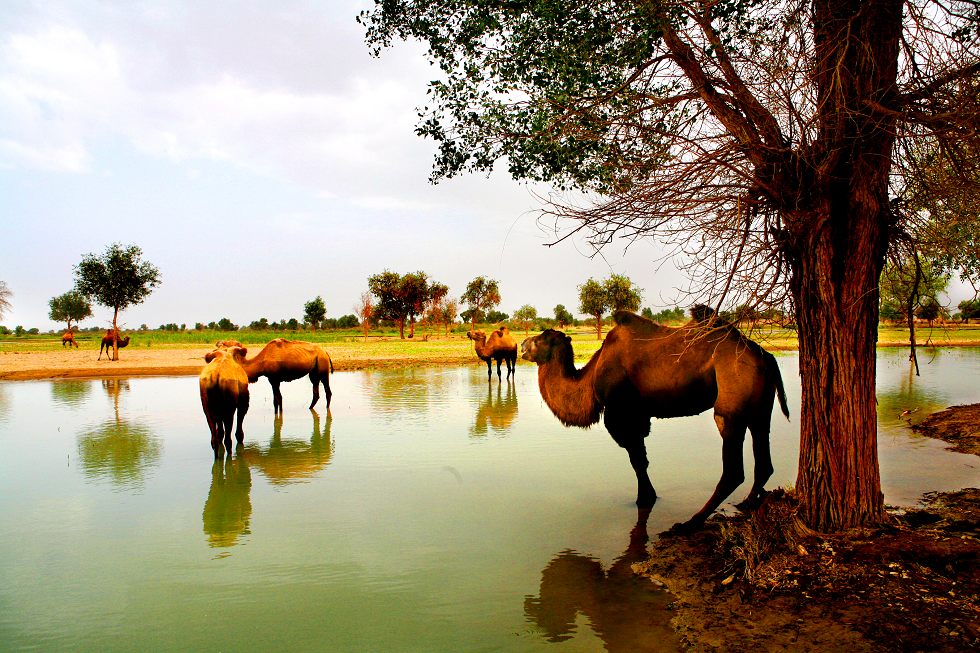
pixel 569 392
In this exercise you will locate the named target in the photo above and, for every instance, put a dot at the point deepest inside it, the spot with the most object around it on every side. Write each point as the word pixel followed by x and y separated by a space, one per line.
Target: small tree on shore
pixel 69 307
pixel 481 295
pixel 314 312
pixel 562 316
pixel 364 310
pixel 525 316
pixel 592 300
pixel 117 279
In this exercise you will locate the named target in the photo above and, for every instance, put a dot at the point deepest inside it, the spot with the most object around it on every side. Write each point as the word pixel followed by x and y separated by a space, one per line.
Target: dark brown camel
pixel 287 360
pixel 646 370
pixel 68 338
pixel 107 343
pixel 501 346
pixel 224 390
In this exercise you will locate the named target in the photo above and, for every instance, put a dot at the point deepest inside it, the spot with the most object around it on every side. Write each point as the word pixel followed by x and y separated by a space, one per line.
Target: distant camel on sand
pixel 107 343
pixel 68 338
pixel 646 370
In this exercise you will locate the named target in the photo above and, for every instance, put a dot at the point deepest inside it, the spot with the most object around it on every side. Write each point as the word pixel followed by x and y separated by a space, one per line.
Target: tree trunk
pixel 401 328
pixel 598 326
pixel 115 335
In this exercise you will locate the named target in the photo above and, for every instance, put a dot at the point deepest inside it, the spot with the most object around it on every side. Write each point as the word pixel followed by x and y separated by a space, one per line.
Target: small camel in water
pixel 224 390
pixel 501 346
pixel 287 360
pixel 646 370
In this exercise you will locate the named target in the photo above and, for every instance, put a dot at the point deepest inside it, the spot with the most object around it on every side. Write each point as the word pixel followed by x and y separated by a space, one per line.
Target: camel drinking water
pixel 287 360
pixel 224 390
pixel 646 370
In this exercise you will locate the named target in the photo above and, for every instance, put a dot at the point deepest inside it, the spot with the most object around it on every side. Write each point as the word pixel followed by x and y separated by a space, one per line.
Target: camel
pixel 107 343
pixel 287 360
pixel 224 389
pixel 645 370
pixel 500 347
pixel 68 338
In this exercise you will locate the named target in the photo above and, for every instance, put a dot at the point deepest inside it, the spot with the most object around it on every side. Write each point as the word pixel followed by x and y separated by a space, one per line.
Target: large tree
pixel 69 307
pixel 481 295
pixel 756 138
pixel 401 298
pixel 593 300
pixel 117 279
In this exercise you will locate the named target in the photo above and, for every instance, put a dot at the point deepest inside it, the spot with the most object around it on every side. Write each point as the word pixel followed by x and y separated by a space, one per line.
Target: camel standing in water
pixel 107 343
pixel 68 338
pixel 501 346
pixel 287 360
pixel 224 390
pixel 646 370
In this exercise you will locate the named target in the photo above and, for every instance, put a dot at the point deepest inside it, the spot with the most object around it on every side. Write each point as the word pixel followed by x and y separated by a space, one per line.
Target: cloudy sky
pixel 259 157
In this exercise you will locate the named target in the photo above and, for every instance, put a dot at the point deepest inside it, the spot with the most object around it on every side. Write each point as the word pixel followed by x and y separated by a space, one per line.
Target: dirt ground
pixel 756 583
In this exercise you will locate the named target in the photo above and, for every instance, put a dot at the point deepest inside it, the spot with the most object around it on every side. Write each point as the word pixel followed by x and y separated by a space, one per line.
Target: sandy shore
pixel 81 363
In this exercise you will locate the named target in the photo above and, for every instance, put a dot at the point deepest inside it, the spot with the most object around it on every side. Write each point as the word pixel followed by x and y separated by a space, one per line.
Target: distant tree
pixel 314 311
pixel 647 312
pixel 117 279
pixel 481 295
pixel 5 295
pixel 416 294
pixel 199 326
pixel 400 298
pixel 969 309
pixel 930 310
pixel 224 324
pixel 347 322
pixel 525 316
pixel 19 330
pixel 675 314
pixel 259 325
pixel 496 317
pixel 69 307
pixel 450 308
pixel 592 300
pixel 622 294
pixel 292 324
pixel 437 299
pixel 364 310
pixel 905 284
pixel 473 316
pixel 562 316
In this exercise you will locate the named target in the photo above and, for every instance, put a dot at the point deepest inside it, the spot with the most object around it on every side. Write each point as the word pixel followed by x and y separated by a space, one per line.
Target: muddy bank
pixel 958 426
pixel 753 583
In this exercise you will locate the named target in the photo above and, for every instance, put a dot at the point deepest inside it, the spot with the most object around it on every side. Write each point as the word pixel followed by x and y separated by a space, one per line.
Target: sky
pixel 260 157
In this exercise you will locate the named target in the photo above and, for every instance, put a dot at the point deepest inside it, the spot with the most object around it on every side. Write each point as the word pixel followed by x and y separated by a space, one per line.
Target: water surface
pixel 428 512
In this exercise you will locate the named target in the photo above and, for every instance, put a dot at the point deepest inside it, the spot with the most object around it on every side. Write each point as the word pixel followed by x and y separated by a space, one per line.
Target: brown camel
pixel 501 346
pixel 646 370
pixel 287 360
pixel 68 338
pixel 224 389
pixel 107 343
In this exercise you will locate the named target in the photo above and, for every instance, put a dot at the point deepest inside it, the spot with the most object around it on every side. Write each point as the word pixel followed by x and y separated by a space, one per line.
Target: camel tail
pixel 772 369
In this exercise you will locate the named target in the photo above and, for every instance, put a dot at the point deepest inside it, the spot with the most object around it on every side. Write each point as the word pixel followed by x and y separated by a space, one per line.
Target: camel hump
pixel 633 321
pixel 702 313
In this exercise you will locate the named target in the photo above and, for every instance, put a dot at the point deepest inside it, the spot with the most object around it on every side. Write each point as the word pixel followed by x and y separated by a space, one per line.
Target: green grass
pixel 434 345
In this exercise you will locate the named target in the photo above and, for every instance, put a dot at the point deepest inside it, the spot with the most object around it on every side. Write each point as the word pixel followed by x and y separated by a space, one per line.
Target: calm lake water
pixel 429 512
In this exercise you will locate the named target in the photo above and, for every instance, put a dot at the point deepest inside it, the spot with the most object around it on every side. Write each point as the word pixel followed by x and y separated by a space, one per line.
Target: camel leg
pixel 732 471
pixel 316 389
pixel 489 369
pixel 327 394
pixel 499 361
pixel 276 397
pixel 242 409
pixel 763 463
pixel 629 431
pixel 229 421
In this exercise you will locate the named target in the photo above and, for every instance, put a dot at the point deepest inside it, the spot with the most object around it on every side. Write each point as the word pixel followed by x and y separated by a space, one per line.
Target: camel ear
pixel 208 357
pixel 568 338
pixel 239 352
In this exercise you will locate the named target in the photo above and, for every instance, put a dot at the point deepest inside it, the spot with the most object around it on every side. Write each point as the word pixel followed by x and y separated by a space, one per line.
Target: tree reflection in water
pixel 291 460
pixel 70 393
pixel 118 450
pixel 498 413
pixel 228 508
pixel 627 612
pixel 4 401
pixel 909 400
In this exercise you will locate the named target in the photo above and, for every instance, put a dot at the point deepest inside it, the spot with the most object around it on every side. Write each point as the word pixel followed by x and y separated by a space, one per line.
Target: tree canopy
pixel 481 295
pixel 401 298
pixel 69 307
pixel 117 279
pixel 525 316
pixel 314 312
pixel 760 142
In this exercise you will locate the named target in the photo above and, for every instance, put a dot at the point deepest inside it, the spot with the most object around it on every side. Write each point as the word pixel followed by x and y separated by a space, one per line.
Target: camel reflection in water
pixel 119 449
pixel 291 460
pixel 496 413
pixel 228 509
pixel 627 612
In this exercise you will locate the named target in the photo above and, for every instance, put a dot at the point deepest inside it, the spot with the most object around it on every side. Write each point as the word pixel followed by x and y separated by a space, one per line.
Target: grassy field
pixel 434 345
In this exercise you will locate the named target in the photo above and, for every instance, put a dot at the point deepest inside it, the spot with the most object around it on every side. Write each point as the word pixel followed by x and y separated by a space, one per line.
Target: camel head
pixel 478 336
pixel 224 350
pixel 546 346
